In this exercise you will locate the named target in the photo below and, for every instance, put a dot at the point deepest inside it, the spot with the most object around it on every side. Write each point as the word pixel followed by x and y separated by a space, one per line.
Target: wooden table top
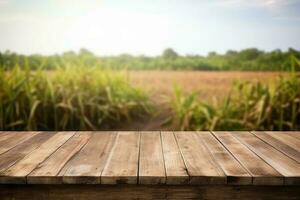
pixel 173 158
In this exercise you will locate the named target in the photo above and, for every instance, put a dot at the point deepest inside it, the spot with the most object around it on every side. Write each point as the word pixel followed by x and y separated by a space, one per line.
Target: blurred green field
pixel 251 59
pixel 69 98
pixel 80 97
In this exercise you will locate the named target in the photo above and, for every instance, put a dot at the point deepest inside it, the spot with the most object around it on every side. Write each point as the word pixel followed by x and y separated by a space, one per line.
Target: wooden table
pixel 149 165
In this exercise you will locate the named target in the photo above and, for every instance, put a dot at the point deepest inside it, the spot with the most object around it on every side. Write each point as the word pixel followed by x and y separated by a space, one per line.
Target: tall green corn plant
pixel 250 106
pixel 68 98
pixel 184 107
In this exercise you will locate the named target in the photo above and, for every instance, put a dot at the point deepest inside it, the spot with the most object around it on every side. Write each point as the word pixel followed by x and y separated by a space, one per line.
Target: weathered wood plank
pixel 20 151
pixel 151 161
pixel 294 134
pixel 262 173
pixel 18 172
pixel 201 166
pixel 47 171
pixel 150 158
pixel 122 164
pixel 13 139
pixel 5 135
pixel 176 171
pixel 236 174
pixel 157 192
pixel 88 164
pixel 279 145
pixel 285 165
pixel 286 138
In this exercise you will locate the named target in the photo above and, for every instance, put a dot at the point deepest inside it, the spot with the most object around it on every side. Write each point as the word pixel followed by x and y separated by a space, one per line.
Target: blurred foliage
pixel 68 98
pixel 250 106
pixel 81 91
pixel 250 59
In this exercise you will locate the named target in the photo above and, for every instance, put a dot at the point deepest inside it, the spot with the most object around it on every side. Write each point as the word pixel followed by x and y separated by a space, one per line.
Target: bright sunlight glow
pixel 147 27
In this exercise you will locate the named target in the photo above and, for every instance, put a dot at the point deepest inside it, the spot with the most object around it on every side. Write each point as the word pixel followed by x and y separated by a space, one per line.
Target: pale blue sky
pixel 109 27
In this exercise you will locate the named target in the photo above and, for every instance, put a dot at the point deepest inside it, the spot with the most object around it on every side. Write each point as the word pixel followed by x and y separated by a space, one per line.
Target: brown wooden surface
pixel 15 154
pixel 288 167
pixel 176 172
pixel 288 139
pixel 123 162
pixel 200 164
pixel 235 172
pixel 88 164
pixel 150 158
pixel 291 151
pixel 151 162
pixel 47 172
pixel 18 172
pixel 261 172
pixel 294 134
pixel 153 192
pixel 10 140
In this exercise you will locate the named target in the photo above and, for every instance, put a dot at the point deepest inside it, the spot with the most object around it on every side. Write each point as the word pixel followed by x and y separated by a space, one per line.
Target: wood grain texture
pixel 13 139
pixel 151 160
pixel 18 172
pixel 279 145
pixel 236 174
pixel 5 135
pixel 286 138
pixel 294 134
pixel 200 164
pixel 283 164
pixel 47 172
pixel 157 192
pixel 262 173
pixel 122 164
pixel 20 151
pixel 87 166
pixel 176 171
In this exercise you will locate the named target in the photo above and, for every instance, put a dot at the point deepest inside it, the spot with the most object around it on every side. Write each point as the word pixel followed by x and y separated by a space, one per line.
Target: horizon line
pixel 147 55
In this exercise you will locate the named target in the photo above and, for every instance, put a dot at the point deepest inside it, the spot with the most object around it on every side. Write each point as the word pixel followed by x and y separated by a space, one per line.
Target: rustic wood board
pixel 295 134
pixel 122 164
pixel 6 134
pixel 262 172
pixel 288 167
pixel 13 139
pixel 151 161
pixel 150 158
pixel 176 172
pixel 15 154
pixel 235 172
pixel 18 172
pixel 47 172
pixel 287 139
pixel 87 166
pixel 201 166
pixel 157 192
pixel 280 145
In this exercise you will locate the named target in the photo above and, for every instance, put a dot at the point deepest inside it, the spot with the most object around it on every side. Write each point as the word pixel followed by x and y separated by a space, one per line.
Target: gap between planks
pixel 157 158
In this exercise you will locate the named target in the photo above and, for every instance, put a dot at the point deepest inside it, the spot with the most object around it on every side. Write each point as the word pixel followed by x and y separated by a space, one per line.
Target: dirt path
pixel 156 122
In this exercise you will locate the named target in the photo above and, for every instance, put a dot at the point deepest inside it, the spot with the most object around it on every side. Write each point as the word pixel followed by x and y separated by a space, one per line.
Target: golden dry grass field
pixel 208 84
